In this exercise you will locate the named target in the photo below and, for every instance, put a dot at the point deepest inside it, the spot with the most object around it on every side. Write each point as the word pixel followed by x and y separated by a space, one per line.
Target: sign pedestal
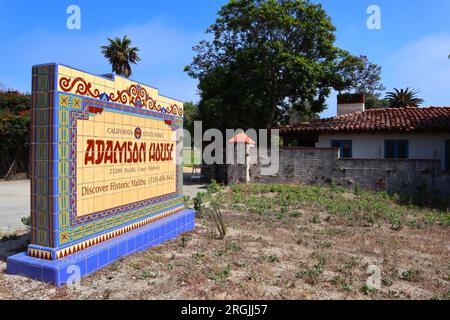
pixel 59 272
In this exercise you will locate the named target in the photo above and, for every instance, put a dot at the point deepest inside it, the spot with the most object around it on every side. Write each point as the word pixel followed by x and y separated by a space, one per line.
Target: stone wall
pixel 322 166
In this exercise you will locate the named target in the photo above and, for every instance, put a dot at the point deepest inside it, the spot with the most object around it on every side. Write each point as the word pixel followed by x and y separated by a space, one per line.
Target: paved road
pixel 15 202
pixel 14 205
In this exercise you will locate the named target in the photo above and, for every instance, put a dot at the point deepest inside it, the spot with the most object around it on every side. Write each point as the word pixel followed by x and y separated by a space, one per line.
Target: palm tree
pixel 120 54
pixel 403 98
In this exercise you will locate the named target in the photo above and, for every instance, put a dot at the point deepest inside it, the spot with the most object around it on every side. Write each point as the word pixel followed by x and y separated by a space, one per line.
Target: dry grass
pixel 301 253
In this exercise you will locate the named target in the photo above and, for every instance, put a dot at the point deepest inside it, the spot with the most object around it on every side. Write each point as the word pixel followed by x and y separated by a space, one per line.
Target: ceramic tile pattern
pixel 83 192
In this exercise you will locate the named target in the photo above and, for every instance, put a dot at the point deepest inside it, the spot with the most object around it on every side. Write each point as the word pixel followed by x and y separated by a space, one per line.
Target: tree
pixel 403 98
pixel 266 58
pixel 190 115
pixel 14 132
pixel 364 76
pixel 120 55
pixel 374 101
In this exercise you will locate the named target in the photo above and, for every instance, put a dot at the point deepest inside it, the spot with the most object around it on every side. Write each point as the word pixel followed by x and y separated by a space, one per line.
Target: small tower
pixel 242 138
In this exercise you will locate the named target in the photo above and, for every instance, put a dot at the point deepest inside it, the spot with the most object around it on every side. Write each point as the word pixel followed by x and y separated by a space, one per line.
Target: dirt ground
pixel 298 257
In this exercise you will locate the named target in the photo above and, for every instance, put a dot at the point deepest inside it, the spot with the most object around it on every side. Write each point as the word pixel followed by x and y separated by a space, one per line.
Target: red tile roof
pixel 380 120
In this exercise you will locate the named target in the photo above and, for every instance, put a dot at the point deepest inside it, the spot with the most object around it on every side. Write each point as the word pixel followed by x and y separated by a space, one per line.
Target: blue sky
pixel 412 46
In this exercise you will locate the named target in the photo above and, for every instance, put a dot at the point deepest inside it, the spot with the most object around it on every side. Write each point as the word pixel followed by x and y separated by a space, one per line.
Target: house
pixel 406 133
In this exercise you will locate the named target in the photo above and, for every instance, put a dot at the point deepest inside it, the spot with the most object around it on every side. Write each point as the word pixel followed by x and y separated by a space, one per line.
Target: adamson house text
pixel 115 152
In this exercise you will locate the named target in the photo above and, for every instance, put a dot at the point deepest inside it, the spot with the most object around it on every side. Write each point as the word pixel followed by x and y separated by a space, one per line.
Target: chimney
pixel 349 103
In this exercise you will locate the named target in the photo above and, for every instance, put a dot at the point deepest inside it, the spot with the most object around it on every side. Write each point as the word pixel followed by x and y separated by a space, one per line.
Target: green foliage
pixel 374 101
pixel 199 202
pixel 272 259
pixel 364 206
pixel 222 275
pixel 120 54
pixel 186 200
pixel 411 275
pixel 215 214
pixel 442 297
pixel 267 58
pixel 312 275
pixel 365 76
pixel 403 98
pixel 214 187
pixel 189 117
pixel 344 282
pixel 368 290
pixel 14 130
pixel 26 221
pixel 11 237
pixel 209 205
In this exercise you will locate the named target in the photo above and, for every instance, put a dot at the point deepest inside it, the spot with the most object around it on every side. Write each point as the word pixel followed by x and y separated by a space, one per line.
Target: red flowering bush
pixel 15 109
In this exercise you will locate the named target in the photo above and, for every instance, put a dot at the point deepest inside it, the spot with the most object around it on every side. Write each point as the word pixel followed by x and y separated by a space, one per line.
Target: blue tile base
pixel 58 272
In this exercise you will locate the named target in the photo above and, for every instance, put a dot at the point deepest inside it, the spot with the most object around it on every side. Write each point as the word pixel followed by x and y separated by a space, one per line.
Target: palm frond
pixel 403 98
pixel 120 54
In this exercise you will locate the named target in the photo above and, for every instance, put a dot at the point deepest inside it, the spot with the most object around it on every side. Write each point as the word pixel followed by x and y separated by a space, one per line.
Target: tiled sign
pixel 104 170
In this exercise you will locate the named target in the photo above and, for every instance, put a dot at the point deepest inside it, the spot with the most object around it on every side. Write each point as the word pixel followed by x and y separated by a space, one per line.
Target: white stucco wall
pixel 421 145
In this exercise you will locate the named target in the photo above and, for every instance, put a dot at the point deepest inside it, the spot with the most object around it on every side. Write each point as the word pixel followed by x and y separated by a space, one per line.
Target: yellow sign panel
pixel 123 159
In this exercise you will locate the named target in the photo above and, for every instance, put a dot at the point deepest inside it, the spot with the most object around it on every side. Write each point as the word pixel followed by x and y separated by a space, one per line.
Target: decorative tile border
pixel 136 95
pixel 100 255
pixel 48 255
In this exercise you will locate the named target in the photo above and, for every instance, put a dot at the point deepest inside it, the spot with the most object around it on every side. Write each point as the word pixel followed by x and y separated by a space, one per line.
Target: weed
pixel 280 215
pixel 233 246
pixel 11 237
pixel 148 274
pixel 26 221
pixel 230 246
pixel 344 282
pixel 312 274
pixel 444 296
pixel 199 202
pixel 214 212
pixel 271 259
pixel 325 245
pixel 349 265
pixel 222 275
pixel 367 206
pixel 135 265
pixel 393 294
pixel 387 282
pixel 240 263
pixel 358 191
pixel 315 219
pixel 214 187
pixel 295 214
pixel 184 241
pixel 186 200
pixel 411 275
pixel 368 290
pixel 198 256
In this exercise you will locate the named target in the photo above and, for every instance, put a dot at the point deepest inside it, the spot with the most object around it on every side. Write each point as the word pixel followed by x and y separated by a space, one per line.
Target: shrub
pixel 215 214
pixel 214 187
pixel 26 221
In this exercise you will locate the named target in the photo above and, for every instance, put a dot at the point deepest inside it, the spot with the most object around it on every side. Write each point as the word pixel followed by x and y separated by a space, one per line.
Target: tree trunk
pixel 12 169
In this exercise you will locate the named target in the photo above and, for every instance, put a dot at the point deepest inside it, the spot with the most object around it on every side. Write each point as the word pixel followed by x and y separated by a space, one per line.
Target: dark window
pixel 345 147
pixel 447 155
pixel 396 149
